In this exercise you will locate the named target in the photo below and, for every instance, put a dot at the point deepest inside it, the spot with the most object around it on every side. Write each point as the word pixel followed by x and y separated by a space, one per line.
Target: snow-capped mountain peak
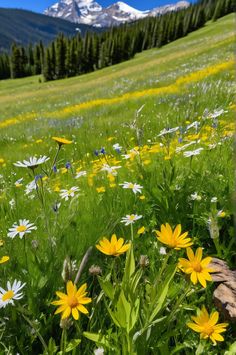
pixel 92 13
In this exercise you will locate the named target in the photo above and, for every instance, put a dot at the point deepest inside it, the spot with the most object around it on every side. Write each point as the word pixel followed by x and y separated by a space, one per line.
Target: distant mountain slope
pixel 24 27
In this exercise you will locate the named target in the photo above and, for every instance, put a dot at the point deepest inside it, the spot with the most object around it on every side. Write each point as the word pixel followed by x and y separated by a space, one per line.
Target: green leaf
pixel 134 314
pixel 232 349
pixel 107 288
pixel 135 280
pixel 129 266
pixel 99 339
pixel 72 345
pixel 161 298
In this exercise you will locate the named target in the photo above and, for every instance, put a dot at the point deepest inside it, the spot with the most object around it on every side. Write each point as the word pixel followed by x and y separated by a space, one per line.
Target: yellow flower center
pixel 8 295
pixel 132 217
pixel 21 228
pixel 113 249
pixel 196 266
pixel 72 301
pixel 208 329
pixel 131 186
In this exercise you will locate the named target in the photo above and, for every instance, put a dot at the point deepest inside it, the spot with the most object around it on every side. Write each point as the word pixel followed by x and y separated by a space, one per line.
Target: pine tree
pixel 17 64
pixel 60 71
pixel 47 67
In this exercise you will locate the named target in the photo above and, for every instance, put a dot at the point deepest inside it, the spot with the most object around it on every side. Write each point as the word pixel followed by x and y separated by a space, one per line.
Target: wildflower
pixel 142 197
pixel 1 242
pixel 65 194
pixel 95 270
pixel 100 189
pixel 190 153
pixel 61 141
pixel 214 200
pixel 213 227
pixel 66 270
pixel 143 261
pixel 130 219
pixel 207 326
pixel 12 293
pixel 117 147
pixel 56 206
pixel 72 302
pixel 4 259
pixel 24 227
pixel 114 247
pixel 12 203
pixel 174 239
pixel 18 183
pixel 221 214
pixel 102 151
pixel 110 169
pixel 31 186
pixel 54 168
pixel 80 173
pixel 196 266
pixel 195 197
pixel 162 251
pixel 141 230
pixel 134 187
pixel 98 351
pixel 166 131
pixel 32 163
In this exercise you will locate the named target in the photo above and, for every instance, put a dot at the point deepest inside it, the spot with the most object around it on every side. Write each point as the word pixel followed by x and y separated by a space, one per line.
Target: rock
pixel 225 294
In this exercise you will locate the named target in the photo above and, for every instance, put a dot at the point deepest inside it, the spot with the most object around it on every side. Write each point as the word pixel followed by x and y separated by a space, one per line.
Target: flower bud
pixel 66 270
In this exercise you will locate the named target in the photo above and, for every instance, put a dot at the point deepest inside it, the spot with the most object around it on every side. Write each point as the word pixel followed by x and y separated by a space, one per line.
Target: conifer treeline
pixel 66 57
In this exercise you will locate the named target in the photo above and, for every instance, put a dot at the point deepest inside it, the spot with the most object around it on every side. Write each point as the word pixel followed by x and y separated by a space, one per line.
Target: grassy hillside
pixel 25 27
pixel 163 121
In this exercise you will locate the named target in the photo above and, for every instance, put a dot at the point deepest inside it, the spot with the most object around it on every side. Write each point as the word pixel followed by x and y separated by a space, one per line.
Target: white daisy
pixel 130 219
pixel 12 293
pixel 21 228
pixel 116 146
pixel 134 187
pixel 110 169
pixel 166 131
pixel 190 153
pixel 32 163
pixel 183 147
pixel 31 186
pixel 69 193
pixel 80 173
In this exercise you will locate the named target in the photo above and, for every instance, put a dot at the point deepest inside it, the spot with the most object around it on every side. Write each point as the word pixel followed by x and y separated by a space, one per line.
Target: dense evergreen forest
pixel 67 57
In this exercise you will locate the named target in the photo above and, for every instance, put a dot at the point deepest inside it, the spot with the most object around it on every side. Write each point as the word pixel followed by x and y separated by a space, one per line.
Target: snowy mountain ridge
pixel 91 13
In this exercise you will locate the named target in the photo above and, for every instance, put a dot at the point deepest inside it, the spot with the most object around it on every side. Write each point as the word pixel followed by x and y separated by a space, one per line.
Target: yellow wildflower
pixel 174 239
pixel 72 302
pixel 141 230
pixel 61 141
pixel 114 247
pixel 207 326
pixel 4 259
pixel 100 189
pixel 196 266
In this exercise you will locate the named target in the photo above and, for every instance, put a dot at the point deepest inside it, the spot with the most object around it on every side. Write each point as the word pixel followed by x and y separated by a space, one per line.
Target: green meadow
pixel 149 140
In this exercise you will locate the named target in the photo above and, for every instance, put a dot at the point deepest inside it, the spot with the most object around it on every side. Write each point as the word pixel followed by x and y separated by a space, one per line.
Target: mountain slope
pixel 24 27
pixel 90 12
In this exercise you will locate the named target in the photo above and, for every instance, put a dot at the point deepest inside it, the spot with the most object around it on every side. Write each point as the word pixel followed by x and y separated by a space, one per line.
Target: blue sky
pixel 41 5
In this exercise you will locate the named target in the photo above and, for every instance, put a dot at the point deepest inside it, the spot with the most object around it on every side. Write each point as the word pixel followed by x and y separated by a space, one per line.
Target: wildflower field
pixel 116 191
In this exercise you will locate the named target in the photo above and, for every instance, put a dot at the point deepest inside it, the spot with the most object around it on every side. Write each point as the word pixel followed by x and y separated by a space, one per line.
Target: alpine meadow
pixel 117 199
